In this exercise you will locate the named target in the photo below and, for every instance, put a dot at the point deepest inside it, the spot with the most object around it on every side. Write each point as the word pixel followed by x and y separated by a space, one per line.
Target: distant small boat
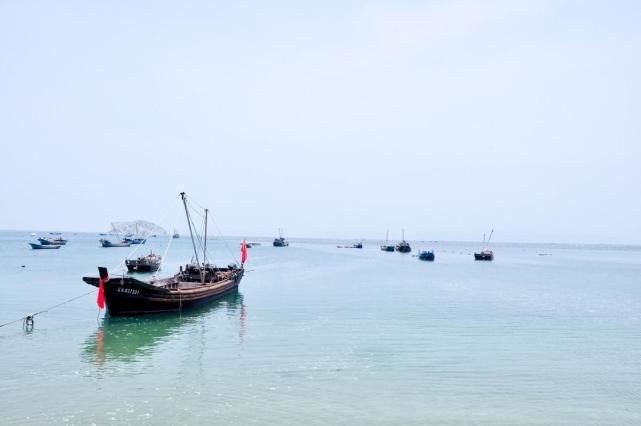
pixel 176 235
pixel 55 233
pixel 426 255
pixel 135 240
pixel 37 246
pixel 52 241
pixel 280 241
pixel 386 246
pixel 486 253
pixel 403 246
pixel 149 263
pixel 358 245
pixel 106 243
pixel 248 245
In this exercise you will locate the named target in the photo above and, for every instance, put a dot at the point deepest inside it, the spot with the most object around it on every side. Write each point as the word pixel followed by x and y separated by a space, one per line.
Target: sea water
pixel 544 334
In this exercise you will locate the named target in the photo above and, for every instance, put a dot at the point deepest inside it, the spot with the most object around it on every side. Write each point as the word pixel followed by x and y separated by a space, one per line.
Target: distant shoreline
pixel 586 245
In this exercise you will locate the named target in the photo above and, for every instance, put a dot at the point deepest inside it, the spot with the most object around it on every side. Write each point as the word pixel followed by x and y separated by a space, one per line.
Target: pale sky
pixel 329 119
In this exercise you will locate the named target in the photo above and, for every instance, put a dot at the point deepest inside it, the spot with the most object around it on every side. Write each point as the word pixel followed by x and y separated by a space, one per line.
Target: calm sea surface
pixel 322 335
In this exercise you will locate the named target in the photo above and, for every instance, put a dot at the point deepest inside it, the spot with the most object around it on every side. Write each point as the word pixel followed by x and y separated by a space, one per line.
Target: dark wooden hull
pixel 279 243
pixel 483 256
pixel 387 248
pixel 427 256
pixel 403 248
pixel 129 296
pixel 134 266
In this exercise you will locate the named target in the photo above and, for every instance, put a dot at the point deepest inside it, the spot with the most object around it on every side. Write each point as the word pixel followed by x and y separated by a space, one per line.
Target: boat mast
pixel 205 245
pixel 488 240
pixel 386 236
pixel 193 243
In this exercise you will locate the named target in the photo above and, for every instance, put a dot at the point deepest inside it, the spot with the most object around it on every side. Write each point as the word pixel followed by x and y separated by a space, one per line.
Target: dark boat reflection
pixel 127 339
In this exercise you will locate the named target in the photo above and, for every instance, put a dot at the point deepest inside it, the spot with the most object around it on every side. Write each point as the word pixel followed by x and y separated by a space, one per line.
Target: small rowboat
pixel 37 246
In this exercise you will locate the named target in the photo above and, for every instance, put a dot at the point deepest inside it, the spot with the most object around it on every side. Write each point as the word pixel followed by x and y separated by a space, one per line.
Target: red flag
pixel 243 253
pixel 101 294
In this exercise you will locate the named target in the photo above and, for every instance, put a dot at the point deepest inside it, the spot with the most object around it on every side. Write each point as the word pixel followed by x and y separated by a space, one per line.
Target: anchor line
pixel 30 317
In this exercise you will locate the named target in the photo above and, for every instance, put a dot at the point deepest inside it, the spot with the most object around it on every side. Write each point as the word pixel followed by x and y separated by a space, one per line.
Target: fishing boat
pixel 37 246
pixel 176 235
pixel 52 241
pixel 198 283
pixel 426 255
pixel 135 240
pixel 386 246
pixel 486 253
pixel 107 244
pixel 148 263
pixel 280 241
pixel 358 245
pixel 403 246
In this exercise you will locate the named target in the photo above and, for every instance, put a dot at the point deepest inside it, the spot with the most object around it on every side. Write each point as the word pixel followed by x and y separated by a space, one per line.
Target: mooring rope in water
pixel 28 319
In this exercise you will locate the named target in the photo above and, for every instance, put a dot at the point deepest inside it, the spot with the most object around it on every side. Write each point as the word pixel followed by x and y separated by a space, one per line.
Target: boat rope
pixel 28 319
pixel 199 240
pixel 222 237
pixel 171 237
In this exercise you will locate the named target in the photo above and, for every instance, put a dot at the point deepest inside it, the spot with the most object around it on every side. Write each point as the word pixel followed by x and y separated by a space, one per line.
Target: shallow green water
pixel 327 336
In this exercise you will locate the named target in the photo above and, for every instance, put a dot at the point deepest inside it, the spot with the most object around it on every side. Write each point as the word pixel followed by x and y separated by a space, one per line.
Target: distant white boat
pixel 33 234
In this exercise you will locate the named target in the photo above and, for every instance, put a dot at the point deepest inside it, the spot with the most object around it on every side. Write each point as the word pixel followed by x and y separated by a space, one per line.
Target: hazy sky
pixel 329 119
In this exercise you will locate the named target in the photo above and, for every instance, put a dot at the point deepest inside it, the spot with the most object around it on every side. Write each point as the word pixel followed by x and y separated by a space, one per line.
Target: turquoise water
pixel 323 335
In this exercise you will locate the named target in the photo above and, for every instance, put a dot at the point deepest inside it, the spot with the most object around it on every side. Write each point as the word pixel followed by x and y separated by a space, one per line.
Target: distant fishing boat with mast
pixel 148 263
pixel 135 239
pixel 198 283
pixel 386 246
pixel 280 241
pixel 124 242
pixel 403 246
pixel 486 253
